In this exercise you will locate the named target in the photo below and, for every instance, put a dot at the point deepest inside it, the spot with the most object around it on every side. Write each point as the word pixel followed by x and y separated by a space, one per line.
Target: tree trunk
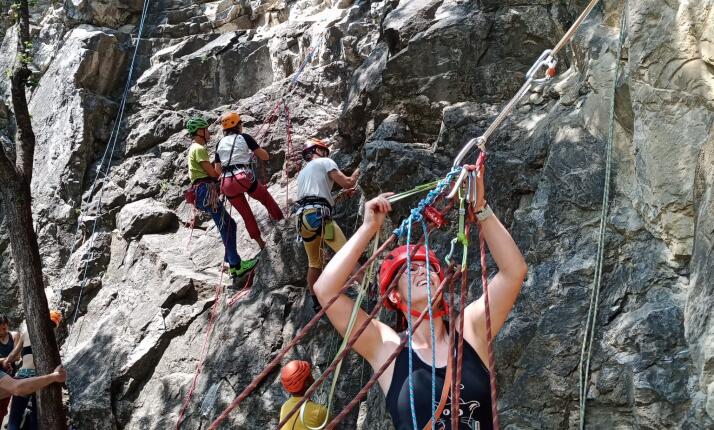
pixel 28 266
pixel 16 200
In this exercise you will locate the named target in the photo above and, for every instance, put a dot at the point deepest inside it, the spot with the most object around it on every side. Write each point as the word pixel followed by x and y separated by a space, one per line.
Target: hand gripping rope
pixel 298 337
pixel 547 61
pixel 352 340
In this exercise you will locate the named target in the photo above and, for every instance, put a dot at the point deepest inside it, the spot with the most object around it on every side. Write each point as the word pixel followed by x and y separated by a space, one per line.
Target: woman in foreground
pixel 379 340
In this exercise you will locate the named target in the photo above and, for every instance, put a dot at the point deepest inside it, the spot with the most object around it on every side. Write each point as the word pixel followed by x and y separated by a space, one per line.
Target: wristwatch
pixel 484 213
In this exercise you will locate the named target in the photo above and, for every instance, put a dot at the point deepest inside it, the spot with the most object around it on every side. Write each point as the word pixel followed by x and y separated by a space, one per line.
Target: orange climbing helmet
pixel 313 144
pixel 294 376
pixel 391 265
pixel 230 120
pixel 56 317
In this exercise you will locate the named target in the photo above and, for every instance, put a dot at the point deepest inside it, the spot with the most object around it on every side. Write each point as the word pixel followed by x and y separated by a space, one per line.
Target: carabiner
pixel 546 61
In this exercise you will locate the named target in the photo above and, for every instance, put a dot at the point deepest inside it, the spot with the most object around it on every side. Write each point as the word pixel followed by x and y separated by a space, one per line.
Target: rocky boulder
pixel 145 216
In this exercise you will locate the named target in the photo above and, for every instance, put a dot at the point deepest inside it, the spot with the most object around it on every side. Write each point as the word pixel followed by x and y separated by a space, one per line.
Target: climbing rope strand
pixel 434 404
pixel 591 322
pixel 450 278
pixel 567 37
pixel 460 336
pixel 410 364
pixel 112 144
pixel 361 295
pixel 300 335
pixel 204 349
pixel 416 213
pixel 352 340
pixel 489 335
pixel 545 58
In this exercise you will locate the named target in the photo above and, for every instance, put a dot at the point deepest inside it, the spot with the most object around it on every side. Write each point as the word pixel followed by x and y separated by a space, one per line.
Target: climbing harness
pixel 591 322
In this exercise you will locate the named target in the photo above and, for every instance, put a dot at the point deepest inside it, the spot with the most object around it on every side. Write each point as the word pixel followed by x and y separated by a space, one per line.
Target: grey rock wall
pixel 398 87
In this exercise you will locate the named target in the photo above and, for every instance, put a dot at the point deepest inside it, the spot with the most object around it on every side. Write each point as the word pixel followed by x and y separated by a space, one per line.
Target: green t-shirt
pixel 196 154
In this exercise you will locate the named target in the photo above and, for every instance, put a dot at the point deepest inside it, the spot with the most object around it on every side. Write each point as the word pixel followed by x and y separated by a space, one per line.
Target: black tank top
pixel 6 348
pixel 475 402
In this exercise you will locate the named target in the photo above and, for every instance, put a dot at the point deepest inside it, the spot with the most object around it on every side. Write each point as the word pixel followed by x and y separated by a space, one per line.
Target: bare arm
pixel 15 354
pixel 208 167
pixel 218 168
pixel 343 180
pixel 262 154
pixel 23 387
pixel 503 289
pixel 371 343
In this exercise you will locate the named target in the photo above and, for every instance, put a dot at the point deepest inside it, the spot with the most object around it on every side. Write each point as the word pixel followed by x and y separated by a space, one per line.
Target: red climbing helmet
pixel 391 265
pixel 294 375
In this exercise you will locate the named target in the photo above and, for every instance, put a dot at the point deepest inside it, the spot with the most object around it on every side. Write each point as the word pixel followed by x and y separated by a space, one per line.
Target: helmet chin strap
pixel 436 314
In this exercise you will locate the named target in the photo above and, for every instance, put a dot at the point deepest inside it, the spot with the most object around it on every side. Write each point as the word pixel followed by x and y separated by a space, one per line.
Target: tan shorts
pixel 328 233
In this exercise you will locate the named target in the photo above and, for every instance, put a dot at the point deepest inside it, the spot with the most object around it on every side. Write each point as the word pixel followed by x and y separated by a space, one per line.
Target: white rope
pixel 591 323
pixel 109 150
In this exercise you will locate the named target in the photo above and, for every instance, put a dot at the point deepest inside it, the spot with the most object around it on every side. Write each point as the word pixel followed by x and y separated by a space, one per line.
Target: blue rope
pixel 416 213
pixel 431 327
pixel 409 324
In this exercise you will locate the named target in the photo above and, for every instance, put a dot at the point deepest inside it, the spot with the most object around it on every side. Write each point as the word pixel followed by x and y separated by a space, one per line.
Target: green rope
pixel 364 287
pixel 414 191
pixel 591 323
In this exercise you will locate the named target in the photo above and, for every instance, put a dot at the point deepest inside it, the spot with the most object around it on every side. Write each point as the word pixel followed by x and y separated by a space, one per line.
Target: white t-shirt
pixel 314 180
pixel 242 150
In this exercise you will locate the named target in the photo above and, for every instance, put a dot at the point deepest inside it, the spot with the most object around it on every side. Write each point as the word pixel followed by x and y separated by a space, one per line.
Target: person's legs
pixel 4 404
pixel 241 204
pixel 225 224
pixel 338 239
pixel 32 413
pixel 17 412
pixel 262 194
pixel 312 241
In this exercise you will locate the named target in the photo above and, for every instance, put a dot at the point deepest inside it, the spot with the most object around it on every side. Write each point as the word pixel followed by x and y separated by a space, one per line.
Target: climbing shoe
pixel 245 267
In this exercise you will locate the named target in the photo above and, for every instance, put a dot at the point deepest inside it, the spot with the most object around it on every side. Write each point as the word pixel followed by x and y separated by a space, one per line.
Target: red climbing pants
pixel 235 188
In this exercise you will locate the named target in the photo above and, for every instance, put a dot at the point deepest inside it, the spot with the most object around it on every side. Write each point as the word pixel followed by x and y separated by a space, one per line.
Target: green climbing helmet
pixel 196 123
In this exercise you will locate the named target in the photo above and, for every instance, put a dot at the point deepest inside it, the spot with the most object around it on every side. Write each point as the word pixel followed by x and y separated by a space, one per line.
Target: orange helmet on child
pixel 294 376
pixel 390 267
pixel 56 317
pixel 230 120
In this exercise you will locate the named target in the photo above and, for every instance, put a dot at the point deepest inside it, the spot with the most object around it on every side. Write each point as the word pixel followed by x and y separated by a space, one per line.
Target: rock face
pixel 398 87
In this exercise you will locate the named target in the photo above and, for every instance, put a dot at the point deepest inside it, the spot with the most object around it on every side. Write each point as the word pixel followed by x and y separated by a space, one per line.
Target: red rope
pixel 452 342
pixel 363 392
pixel 288 156
pixel 201 361
pixel 301 334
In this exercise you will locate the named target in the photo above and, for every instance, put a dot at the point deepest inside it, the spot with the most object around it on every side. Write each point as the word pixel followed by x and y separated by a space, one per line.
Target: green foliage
pixel 164 187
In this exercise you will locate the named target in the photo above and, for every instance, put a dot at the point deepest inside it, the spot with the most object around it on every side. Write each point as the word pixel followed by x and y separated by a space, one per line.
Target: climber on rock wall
pixel 23 388
pixel 232 161
pixel 315 204
pixel 378 341
pixel 203 193
pixel 296 379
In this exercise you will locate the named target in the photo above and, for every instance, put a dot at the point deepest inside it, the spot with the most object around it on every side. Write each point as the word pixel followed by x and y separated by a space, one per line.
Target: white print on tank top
pixel 467 410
